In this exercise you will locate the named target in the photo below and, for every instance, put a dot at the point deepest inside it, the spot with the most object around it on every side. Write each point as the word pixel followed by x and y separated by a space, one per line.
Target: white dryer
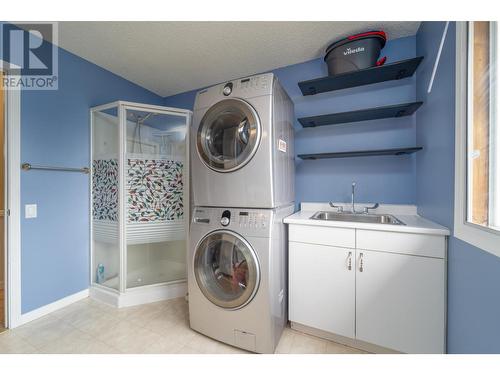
pixel 237 275
pixel 242 144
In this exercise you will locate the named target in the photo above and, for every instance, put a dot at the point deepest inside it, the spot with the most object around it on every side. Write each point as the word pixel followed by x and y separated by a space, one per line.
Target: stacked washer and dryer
pixel 242 164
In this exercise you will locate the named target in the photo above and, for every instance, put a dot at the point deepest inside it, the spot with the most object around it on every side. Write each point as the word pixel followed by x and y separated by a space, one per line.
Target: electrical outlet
pixel 30 211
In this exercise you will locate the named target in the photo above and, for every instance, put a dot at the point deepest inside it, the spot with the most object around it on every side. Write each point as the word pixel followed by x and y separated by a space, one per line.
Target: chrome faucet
pixel 340 209
pixel 365 210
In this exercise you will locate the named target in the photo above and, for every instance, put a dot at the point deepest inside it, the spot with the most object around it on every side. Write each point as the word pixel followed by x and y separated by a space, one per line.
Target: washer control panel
pixel 241 220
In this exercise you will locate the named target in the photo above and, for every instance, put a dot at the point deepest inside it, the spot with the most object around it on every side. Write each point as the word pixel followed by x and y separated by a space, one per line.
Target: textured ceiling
pixel 172 57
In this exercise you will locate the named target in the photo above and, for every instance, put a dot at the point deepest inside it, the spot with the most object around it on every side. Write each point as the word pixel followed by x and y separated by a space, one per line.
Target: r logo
pixel 30 49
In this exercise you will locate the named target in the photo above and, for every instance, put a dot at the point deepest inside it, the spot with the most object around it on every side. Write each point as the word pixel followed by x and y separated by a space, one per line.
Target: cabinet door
pixel 322 287
pixel 400 301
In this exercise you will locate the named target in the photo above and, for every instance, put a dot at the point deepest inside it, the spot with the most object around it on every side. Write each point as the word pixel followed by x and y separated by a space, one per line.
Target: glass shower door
pixel 155 158
pixel 105 198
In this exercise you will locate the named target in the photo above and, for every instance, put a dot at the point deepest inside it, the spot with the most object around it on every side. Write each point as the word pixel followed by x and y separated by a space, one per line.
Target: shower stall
pixel 139 202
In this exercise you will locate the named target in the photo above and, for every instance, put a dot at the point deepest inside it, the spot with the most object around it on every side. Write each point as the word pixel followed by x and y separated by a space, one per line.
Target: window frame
pixel 484 238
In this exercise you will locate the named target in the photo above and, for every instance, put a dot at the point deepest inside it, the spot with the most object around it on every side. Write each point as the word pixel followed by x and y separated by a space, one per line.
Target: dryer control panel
pixel 243 88
pixel 257 83
pixel 248 87
pixel 252 219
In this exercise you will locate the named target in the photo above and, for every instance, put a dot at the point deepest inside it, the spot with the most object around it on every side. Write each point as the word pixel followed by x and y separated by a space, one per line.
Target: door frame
pixel 12 248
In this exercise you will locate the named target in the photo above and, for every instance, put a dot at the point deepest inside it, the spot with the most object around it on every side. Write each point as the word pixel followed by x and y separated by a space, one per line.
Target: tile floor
pixel 91 327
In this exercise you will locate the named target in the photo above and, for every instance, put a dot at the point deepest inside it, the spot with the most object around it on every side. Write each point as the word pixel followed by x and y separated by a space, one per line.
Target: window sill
pixel 482 238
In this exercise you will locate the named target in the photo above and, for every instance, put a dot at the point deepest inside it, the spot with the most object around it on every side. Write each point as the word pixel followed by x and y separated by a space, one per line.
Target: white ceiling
pixel 172 57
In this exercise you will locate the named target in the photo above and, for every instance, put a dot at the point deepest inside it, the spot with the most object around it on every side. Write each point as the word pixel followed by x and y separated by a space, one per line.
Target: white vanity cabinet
pixel 400 302
pixel 373 287
pixel 321 266
pixel 322 287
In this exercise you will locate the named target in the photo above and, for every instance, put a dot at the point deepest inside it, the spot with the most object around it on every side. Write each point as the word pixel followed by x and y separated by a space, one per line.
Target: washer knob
pixel 224 221
pixel 228 88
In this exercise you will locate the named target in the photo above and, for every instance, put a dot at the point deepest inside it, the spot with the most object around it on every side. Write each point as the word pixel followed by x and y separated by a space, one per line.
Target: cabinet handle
pixel 349 261
pixel 361 262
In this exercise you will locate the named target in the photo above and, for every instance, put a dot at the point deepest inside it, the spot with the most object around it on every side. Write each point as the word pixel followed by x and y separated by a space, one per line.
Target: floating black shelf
pixel 349 154
pixel 398 110
pixel 388 72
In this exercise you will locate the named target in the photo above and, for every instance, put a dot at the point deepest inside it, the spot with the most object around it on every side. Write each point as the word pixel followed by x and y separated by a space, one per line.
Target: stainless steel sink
pixel 358 218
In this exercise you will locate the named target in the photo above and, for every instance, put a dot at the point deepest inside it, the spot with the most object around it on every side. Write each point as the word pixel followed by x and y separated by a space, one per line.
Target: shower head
pixel 138 119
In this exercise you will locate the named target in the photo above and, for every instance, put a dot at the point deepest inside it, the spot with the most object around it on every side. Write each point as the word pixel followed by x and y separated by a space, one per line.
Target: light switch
pixel 30 211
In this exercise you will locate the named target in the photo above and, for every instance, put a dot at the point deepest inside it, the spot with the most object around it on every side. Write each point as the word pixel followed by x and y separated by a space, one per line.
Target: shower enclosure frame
pixel 129 296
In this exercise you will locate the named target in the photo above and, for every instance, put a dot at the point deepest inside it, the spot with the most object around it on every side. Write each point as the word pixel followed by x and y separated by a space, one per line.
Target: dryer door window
pixel 228 135
pixel 226 269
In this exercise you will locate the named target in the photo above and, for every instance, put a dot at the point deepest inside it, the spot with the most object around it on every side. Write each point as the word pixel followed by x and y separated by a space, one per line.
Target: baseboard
pixel 51 307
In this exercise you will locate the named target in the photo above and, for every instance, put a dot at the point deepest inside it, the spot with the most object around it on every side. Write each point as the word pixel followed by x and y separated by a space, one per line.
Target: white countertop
pixel 407 214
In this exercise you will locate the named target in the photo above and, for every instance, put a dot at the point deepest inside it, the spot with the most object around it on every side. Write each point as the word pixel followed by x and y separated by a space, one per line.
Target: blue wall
pixel 473 275
pixel 55 261
pixel 55 131
pixel 386 179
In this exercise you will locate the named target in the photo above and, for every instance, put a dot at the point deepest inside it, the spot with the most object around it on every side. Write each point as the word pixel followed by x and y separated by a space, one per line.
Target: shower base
pixel 160 272
pixel 166 280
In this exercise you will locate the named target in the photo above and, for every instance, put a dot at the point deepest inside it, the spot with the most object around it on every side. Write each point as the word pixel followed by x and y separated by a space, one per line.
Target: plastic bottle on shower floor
pixel 100 273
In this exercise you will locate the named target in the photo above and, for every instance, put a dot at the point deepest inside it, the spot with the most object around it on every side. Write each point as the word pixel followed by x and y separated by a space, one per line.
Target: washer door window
pixel 226 269
pixel 228 135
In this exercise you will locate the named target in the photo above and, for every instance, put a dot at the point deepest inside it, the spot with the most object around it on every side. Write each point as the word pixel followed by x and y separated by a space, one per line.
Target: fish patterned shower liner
pixel 154 190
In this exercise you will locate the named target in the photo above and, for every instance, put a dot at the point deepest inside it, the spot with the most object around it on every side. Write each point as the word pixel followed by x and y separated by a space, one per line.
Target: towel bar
pixel 28 166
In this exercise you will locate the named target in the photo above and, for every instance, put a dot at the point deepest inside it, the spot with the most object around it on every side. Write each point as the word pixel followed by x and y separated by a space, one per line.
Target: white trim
pixel 139 295
pixel 141 106
pixel 13 202
pixel 156 108
pixel 54 306
pixel 91 214
pixel 480 237
pixel 494 157
pixel 122 198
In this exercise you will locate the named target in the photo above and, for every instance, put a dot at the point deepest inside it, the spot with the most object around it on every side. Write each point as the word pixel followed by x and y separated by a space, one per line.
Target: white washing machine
pixel 242 144
pixel 237 275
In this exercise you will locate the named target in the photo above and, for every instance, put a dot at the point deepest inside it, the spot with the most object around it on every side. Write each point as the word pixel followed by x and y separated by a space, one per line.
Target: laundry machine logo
pixel 29 55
